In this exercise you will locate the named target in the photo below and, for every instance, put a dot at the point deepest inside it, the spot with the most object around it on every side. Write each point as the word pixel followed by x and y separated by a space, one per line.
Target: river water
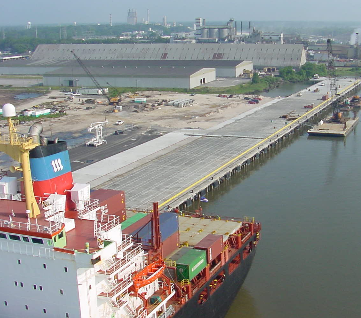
pixel 306 195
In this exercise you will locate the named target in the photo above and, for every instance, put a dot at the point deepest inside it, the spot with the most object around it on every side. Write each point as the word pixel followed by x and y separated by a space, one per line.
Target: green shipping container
pixel 191 264
pixel 133 219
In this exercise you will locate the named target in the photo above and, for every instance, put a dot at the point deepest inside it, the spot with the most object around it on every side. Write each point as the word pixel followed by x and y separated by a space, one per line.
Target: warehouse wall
pixel 148 82
pixel 203 76
pixel 20 70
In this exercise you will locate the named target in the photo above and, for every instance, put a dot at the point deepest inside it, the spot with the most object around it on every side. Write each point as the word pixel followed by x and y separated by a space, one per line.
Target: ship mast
pixel 18 148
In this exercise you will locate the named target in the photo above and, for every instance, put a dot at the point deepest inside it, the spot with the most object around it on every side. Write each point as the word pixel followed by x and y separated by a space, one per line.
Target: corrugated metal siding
pixel 261 54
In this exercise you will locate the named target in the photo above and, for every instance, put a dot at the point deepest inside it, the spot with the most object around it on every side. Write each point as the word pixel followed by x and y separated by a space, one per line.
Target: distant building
pixel 132 17
pixel 272 38
pixel 214 33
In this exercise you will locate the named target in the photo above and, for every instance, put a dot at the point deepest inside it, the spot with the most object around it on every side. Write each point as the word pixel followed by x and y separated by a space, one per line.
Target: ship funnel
pixel 35 131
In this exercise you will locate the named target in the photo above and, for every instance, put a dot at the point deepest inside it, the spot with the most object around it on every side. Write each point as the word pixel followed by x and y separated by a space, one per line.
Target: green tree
pixel 255 78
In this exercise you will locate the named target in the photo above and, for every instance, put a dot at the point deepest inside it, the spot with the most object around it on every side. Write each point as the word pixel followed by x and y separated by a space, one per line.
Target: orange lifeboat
pixel 148 274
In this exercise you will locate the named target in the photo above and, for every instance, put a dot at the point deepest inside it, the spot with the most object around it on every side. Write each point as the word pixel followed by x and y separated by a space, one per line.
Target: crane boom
pixel 90 75
pixel 331 68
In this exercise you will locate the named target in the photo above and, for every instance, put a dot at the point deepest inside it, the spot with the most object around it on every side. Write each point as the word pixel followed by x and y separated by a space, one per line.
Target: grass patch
pixel 248 88
pixel 348 71
pixel 22 76
pixel 32 118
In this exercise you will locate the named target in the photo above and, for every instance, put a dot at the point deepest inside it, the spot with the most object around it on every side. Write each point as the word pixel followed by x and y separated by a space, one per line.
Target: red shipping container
pixel 170 244
pixel 137 225
pixel 213 244
pixel 114 199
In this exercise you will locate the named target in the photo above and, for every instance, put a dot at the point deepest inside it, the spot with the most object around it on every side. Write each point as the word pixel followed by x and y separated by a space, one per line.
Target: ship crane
pixel 98 139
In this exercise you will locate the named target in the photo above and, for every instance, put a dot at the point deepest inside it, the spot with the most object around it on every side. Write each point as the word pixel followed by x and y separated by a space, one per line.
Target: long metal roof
pixel 277 55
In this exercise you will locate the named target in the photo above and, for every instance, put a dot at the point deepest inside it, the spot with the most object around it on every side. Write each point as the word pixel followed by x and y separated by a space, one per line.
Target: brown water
pixel 307 197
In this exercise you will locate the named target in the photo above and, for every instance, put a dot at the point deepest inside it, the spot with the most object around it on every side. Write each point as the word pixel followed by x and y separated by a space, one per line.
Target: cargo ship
pixel 69 251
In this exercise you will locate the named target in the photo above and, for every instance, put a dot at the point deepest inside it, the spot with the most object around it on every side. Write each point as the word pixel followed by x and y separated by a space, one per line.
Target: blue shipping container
pixel 168 225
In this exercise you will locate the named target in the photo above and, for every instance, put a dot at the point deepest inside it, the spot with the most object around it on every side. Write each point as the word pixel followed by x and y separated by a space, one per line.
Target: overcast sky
pixel 89 11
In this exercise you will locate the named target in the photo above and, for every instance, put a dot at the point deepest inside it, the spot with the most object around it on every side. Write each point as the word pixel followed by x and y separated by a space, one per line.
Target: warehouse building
pixel 262 55
pixel 135 76
pixel 188 65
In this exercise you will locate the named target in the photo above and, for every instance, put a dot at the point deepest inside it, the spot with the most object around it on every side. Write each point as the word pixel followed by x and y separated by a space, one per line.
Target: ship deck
pixel 192 229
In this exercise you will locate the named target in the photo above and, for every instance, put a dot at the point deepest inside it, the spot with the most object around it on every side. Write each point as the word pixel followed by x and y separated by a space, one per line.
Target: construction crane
pixel 331 70
pixel 111 101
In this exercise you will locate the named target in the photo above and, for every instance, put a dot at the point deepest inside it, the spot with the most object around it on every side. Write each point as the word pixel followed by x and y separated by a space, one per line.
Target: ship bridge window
pixel 26 239
pixel 14 237
pixel 37 240
pixel 61 234
pixel 2 235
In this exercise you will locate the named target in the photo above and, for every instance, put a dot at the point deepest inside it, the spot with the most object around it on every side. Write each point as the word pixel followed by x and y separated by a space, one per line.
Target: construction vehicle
pixel 111 101
pixel 98 139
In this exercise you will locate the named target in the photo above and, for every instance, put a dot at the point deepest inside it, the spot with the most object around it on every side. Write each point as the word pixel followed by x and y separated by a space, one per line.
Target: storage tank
pixel 205 33
pixel 223 33
pixel 213 33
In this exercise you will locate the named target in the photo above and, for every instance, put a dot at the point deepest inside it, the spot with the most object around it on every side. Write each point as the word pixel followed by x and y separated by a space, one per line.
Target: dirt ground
pixel 205 111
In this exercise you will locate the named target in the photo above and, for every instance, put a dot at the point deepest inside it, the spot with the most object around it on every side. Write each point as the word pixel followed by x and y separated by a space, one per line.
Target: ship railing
pixel 214 217
pixel 170 263
pixel 26 249
pixel 17 139
pixel 135 210
pixel 31 227
pixel 89 206
pixel 117 303
pixel 168 312
pixel 127 257
pixel 109 222
pixel 245 238
pixel 131 312
pixel 127 242
pixel 153 310
pixel 118 287
pixel 184 282
pixel 142 313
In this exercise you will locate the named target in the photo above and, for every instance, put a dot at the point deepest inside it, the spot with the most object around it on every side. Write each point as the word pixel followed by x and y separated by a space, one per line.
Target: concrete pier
pixel 176 168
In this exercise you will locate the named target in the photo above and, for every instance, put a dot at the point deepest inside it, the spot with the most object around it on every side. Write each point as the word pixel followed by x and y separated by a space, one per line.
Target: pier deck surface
pixel 172 168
